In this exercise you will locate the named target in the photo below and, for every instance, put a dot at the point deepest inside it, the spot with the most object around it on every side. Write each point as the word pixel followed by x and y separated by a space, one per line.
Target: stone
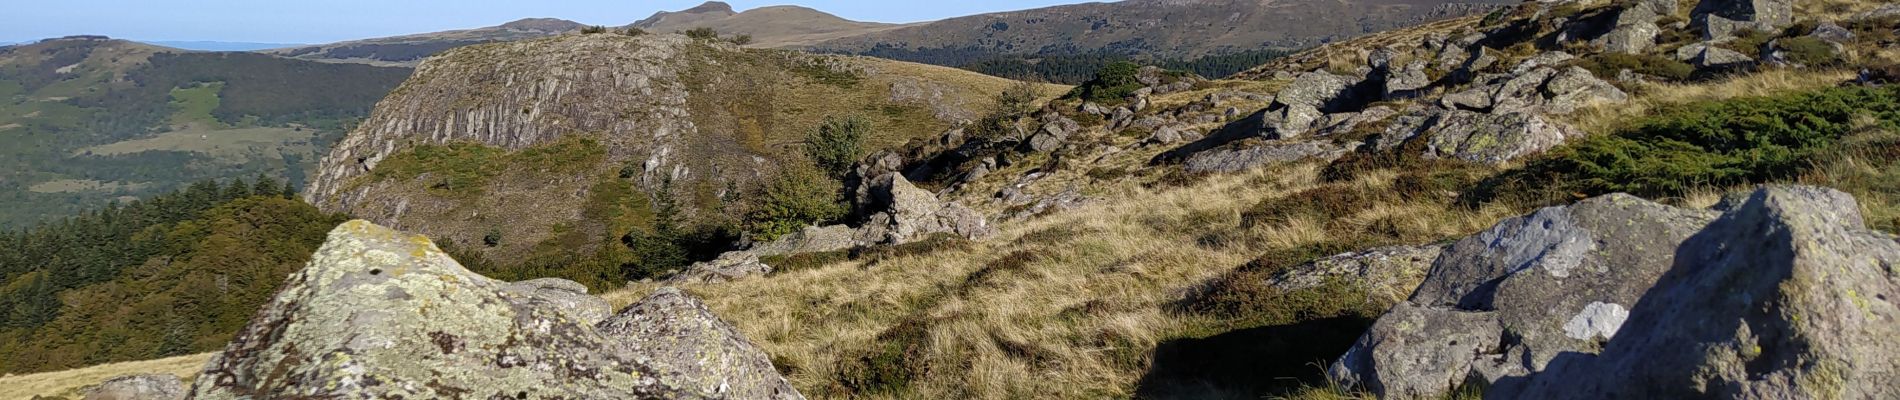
pixel 1575 87
pixel 1720 19
pixel 1713 56
pixel 730 266
pixel 1353 121
pixel 1545 59
pixel 1314 90
pixel 1415 352
pixel 1884 11
pixel 678 336
pixel 1786 296
pixel 1630 39
pixel 1171 135
pixel 382 314
pixel 908 213
pixel 1406 82
pixel 1249 155
pixel 567 296
pixel 1829 31
pixel 1494 138
pixel 1389 274
pixel 1559 281
pixel 139 387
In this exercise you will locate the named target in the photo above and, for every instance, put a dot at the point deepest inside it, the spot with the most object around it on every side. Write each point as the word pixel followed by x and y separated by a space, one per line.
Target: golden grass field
pixel 69 383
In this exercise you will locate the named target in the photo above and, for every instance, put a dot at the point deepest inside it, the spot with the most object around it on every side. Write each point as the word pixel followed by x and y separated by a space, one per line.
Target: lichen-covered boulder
pixel 1248 155
pixel 139 387
pixel 1492 138
pixel 1388 274
pixel 908 213
pixel 1786 296
pixel 567 296
pixel 1555 281
pixel 1416 352
pixel 729 266
pixel 702 354
pixel 382 314
pixel 1721 19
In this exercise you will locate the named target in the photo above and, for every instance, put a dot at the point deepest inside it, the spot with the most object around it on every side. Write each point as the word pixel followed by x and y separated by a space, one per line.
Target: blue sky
pixel 322 21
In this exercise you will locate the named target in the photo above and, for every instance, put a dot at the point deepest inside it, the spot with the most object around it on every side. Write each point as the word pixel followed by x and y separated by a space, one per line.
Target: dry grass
pixel 1647 98
pixel 71 383
pixel 1070 305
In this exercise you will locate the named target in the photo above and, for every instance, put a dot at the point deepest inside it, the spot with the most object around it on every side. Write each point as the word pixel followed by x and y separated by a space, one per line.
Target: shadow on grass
pixel 1249 363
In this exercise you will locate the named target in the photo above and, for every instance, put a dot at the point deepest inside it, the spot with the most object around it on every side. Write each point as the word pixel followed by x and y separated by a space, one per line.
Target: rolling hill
pixel 89 120
pixel 407 50
pixel 770 27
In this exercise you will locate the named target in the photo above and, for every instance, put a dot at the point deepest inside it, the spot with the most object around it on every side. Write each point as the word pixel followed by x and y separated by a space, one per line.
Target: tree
pixel 593 30
pixel 799 196
pixel 634 32
pixel 702 33
pixel 837 144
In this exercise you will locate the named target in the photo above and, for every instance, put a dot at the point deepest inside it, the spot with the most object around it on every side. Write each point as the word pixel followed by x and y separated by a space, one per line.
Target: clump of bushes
pixel 1715 144
pixel 1113 83
pixel 593 30
pixel 801 195
pixel 837 144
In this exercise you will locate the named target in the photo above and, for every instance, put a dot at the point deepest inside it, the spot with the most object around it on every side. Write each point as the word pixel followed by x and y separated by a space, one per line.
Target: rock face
pixel 1526 279
pixel 380 314
pixel 1248 156
pixel 139 387
pixel 1786 296
pixel 1388 273
pixel 648 110
pixel 910 213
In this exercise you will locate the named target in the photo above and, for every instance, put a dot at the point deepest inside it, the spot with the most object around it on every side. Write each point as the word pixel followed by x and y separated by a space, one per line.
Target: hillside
pixel 1562 200
pixel 769 27
pixel 1161 29
pixel 546 150
pixel 407 50
pixel 90 120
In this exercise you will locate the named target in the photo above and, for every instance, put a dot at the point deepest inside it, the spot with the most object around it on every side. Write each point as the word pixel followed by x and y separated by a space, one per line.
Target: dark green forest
pixel 178 273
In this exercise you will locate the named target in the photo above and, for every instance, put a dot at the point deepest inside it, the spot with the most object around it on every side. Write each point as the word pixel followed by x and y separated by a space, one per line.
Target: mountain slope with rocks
pixel 584 138
pixel 1156 28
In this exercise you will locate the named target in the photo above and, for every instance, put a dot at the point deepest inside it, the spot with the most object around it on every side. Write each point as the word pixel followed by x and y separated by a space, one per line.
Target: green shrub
pixel 593 30
pixel 702 33
pixel 1809 51
pixel 636 32
pixel 837 144
pixel 742 40
pixel 1609 64
pixel 799 196
pixel 1716 144
pixel 1113 83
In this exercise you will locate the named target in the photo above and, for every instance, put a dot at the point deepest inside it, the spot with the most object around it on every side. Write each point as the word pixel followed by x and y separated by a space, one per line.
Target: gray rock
pixel 1415 352
pixel 1405 82
pixel 1556 282
pixel 1389 274
pixel 1630 39
pixel 730 266
pixel 1545 59
pixel 1712 56
pixel 1355 120
pixel 1576 87
pixel 569 297
pixel 1829 31
pixel 1171 135
pixel 1786 296
pixel 909 213
pixel 1314 90
pixel 1493 138
pixel 1522 91
pixel 678 336
pixel 1242 157
pixel 1884 11
pixel 382 314
pixel 1720 19
pixel 139 387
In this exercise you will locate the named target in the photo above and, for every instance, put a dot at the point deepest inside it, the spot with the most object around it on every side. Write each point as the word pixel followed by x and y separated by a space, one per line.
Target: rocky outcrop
pixel 1249 155
pixel 1786 296
pixel 1528 279
pixel 139 387
pixel 909 213
pixel 1721 19
pixel 569 297
pixel 381 314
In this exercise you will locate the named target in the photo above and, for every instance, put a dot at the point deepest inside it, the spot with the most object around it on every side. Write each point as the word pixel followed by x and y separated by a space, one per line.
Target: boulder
pixel 1490 138
pixel 1415 352
pixel 908 213
pixel 1831 32
pixel 567 296
pixel 139 387
pixel 730 266
pixel 1253 154
pixel 1389 274
pixel 1712 56
pixel 1301 103
pixel 1575 87
pixel 1350 121
pixel 1401 83
pixel 679 337
pixel 1552 281
pixel 382 314
pixel 1884 11
pixel 1630 39
pixel 1720 19
pixel 1786 296
pixel 1545 59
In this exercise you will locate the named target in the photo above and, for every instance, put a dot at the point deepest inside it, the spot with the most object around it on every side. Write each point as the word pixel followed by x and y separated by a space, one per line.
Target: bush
pixel 837 144
pixel 1716 144
pixel 702 33
pixel 742 40
pixel 1017 101
pixel 634 32
pixel 799 196
pixel 1609 64
pixel 593 30
pixel 1111 84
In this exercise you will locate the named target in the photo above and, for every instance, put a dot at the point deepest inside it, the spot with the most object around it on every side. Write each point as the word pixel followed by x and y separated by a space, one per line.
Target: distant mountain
pixel 774 27
pixel 89 119
pixel 407 50
pixel 202 45
pixel 1152 28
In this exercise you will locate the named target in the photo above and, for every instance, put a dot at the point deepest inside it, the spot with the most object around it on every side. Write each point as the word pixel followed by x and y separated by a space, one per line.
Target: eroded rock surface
pixel 382 314
pixel 139 387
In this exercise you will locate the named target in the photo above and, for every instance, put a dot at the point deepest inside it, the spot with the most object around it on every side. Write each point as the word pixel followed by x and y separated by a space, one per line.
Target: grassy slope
pixel 71 384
